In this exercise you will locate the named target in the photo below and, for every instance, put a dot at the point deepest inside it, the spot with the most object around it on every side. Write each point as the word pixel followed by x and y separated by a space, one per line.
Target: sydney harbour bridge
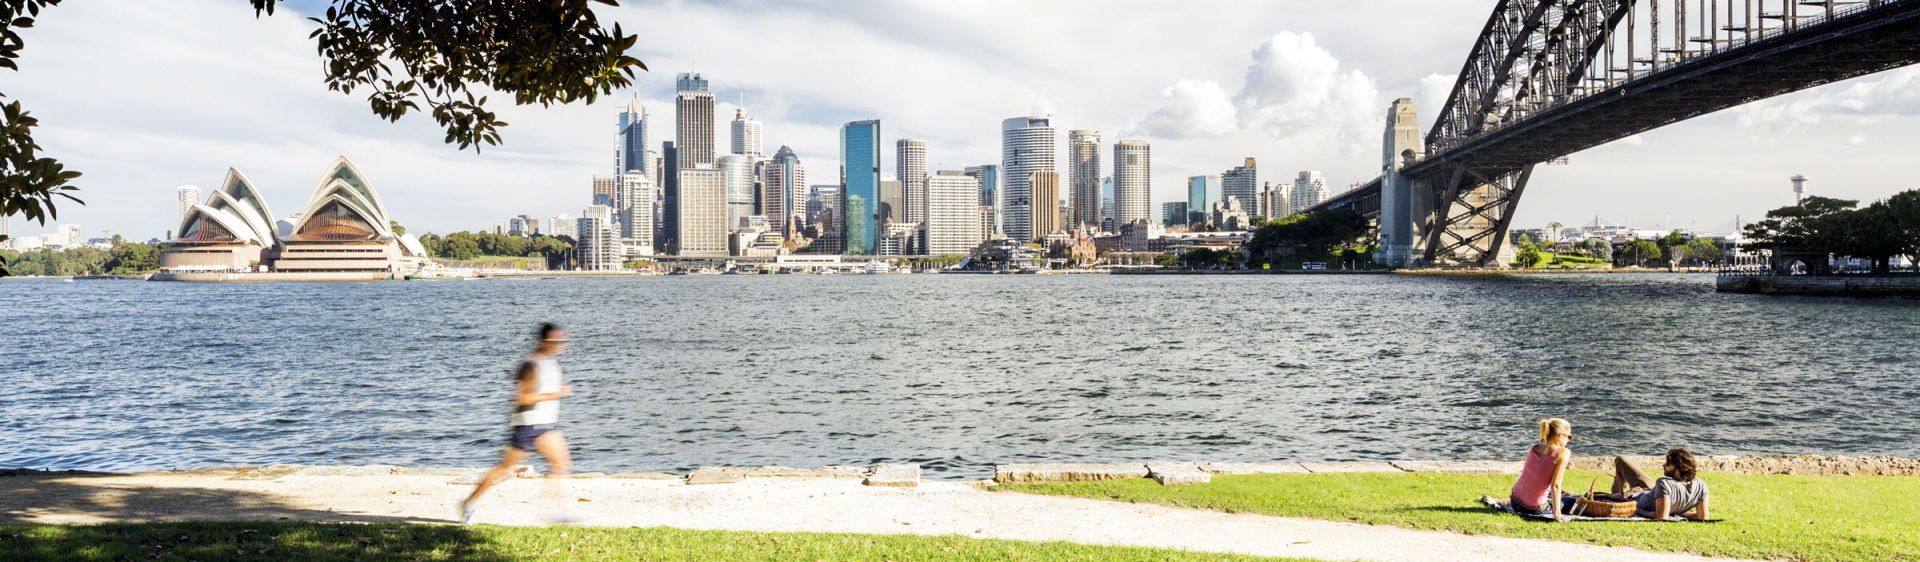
pixel 1548 78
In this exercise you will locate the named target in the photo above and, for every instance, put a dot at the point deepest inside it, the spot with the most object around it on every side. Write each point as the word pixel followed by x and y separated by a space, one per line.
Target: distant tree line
pixel 465 245
pixel 124 258
pixel 1676 248
pixel 1313 234
pixel 1841 227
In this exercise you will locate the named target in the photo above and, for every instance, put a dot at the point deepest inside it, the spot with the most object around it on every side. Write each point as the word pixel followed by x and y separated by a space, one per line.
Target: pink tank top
pixel 1535 477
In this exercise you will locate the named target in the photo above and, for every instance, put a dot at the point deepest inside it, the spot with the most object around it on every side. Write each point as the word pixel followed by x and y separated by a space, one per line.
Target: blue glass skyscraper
pixel 860 161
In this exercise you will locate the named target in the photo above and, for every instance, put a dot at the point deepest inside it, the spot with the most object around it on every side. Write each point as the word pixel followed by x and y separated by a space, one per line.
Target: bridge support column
pixel 1401 239
pixel 1472 215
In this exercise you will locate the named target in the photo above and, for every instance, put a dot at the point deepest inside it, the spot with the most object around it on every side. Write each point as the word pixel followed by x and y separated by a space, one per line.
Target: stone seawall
pixel 1840 285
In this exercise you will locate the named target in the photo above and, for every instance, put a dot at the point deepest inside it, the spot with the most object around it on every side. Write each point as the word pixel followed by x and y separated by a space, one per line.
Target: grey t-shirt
pixel 1681 496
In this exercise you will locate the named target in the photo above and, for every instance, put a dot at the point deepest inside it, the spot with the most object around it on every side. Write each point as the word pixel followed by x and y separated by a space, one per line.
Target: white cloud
pixel 1193 108
pixel 1856 140
pixel 1895 93
pixel 1430 96
pixel 1296 87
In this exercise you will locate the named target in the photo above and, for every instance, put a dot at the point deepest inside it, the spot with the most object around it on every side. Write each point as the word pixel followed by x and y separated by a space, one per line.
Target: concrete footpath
pixel 828 501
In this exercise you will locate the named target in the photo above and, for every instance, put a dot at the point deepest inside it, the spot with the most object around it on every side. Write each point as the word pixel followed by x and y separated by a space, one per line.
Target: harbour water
pixel 954 372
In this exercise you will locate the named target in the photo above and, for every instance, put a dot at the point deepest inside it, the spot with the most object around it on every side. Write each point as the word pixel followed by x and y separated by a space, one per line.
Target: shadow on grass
pixel 246 541
pixel 83 497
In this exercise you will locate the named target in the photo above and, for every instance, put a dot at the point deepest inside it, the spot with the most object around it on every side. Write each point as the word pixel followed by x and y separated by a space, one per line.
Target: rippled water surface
pixel 954 372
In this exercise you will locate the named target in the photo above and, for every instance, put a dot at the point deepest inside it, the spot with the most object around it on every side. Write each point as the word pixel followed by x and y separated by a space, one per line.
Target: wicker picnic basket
pixel 1603 505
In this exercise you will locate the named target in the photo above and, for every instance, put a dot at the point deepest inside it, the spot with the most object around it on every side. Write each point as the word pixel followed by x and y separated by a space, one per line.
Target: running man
pixel 536 410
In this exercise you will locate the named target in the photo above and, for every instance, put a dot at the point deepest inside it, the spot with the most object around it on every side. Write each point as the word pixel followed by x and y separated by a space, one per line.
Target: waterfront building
pixel 953 213
pixel 1174 213
pixel 891 202
pixel 1202 192
pixel 693 121
pixel 231 231
pixel 737 172
pixel 1309 189
pixel 1045 213
pixel 1242 182
pixel 563 226
pixel 631 152
pixel 989 177
pixel 1230 214
pixel 1083 177
pixel 823 211
pixel 343 228
pixel 703 212
pixel 786 199
pixel 598 248
pixel 668 239
pixel 910 157
pixel 604 190
pixel 860 198
pixel 1026 147
pixel 746 136
pixel 901 239
pixel 1132 182
pixel 185 197
pixel 635 214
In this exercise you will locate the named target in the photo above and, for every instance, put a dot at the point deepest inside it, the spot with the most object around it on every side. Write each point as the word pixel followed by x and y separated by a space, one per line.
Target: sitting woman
pixel 1538 489
pixel 1680 492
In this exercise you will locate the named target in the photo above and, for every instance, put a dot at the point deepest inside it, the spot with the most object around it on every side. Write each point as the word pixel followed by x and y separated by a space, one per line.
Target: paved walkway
pixel 759 504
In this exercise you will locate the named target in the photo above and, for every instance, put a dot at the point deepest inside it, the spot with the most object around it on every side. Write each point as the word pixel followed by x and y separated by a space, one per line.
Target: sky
pixel 145 96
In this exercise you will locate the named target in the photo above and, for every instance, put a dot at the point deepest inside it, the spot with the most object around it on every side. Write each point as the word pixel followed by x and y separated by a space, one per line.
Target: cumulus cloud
pixel 1894 94
pixel 1430 96
pixel 1293 88
pixel 1193 108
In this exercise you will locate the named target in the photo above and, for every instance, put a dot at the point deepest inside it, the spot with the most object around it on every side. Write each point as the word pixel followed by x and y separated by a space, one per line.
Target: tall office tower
pixel 1202 193
pixel 1309 189
pixel 1132 182
pixel 1280 196
pixel 563 225
pixel 668 241
pixel 604 186
pixel 860 198
pixel 1242 182
pixel 1026 146
pixel 1044 213
pixel 517 225
pixel 989 176
pixel 187 196
pixel 635 214
pixel 786 201
pixel 892 202
pixel 703 211
pixel 911 160
pixel 823 216
pixel 1083 174
pixel 693 121
pixel 631 155
pixel 533 226
pixel 596 249
pixel 737 172
pixel 1174 213
pixel 746 135
pixel 652 166
pixel 953 213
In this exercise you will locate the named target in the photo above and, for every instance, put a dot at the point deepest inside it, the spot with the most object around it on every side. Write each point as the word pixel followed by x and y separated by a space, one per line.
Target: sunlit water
pixel 954 372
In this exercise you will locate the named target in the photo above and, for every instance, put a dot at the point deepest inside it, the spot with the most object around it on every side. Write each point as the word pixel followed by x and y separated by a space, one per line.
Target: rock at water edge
pixel 715 475
pixel 895 476
pixel 1066 472
pixel 1178 474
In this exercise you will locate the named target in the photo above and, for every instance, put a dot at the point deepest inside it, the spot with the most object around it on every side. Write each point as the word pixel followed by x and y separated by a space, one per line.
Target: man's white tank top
pixel 546 380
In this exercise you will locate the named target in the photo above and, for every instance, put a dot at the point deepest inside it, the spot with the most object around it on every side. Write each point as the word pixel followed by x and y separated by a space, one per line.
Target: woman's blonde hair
pixel 1553 427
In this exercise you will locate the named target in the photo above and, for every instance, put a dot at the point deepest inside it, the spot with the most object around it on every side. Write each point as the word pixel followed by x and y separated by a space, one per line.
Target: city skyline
pixel 188 127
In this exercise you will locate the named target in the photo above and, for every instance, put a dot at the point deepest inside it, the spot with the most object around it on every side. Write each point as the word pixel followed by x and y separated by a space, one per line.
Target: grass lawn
pixel 407 541
pixel 1773 516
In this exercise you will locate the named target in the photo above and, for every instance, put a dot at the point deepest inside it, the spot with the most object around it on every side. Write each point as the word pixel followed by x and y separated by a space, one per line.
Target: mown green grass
pixel 1815 518
pixel 409 542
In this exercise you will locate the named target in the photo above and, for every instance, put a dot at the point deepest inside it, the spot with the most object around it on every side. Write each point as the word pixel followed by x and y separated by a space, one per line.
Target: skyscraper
pixel 737 173
pixel 746 136
pixel 892 202
pixel 1083 174
pixel 604 186
pixel 989 176
pixel 631 154
pixel 860 198
pixel 693 121
pixel 953 213
pixel 1202 193
pixel 1045 211
pixel 786 201
pixel 668 241
pixel 187 196
pixel 1132 182
pixel 1242 182
pixel 911 160
pixel 563 225
pixel 1026 146
pixel 703 211
pixel 823 216
pixel 596 248
pixel 636 195
pixel 1274 201
pixel 1174 213
pixel 1309 189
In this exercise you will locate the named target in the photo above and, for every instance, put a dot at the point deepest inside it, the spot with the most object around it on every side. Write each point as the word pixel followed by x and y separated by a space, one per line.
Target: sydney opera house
pixel 342 233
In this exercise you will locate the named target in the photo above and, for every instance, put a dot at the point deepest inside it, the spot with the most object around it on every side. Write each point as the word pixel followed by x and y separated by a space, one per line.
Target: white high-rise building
pixel 71 237
pixel 746 136
pixel 1309 189
pixel 630 155
pixel 953 213
pixel 786 201
pixel 1243 182
pixel 737 172
pixel 1026 146
pixel 912 169
pixel 598 247
pixel 563 225
pixel 187 196
pixel 703 211
pixel 1083 178
pixel 1132 182
pixel 636 196
pixel 1276 200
